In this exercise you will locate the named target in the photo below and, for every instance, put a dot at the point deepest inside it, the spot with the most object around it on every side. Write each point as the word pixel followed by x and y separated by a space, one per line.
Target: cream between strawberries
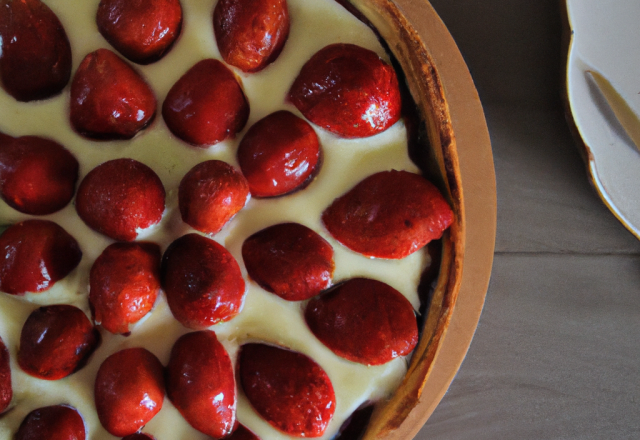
pixel 265 317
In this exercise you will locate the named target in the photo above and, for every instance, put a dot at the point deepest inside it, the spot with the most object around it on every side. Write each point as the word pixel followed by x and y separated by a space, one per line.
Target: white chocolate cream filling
pixel 265 317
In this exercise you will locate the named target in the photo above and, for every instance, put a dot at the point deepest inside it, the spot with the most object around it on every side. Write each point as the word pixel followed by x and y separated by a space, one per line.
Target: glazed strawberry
pixel 119 198
pixel 279 154
pixel 210 194
pixel 242 433
pixel 109 100
pixel 35 62
pixel 124 284
pixel 37 176
pixel 36 254
pixel 56 341
pixel 206 105
pixel 202 282
pixel 201 385
pixel 59 422
pixel 141 30
pixel 288 389
pixel 139 436
pixel 129 390
pixel 390 214
pixel 347 90
pixel 364 321
pixel 251 33
pixel 6 390
pixel 290 260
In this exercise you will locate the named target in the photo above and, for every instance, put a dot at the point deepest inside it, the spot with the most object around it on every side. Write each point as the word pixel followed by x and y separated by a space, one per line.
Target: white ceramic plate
pixel 605 36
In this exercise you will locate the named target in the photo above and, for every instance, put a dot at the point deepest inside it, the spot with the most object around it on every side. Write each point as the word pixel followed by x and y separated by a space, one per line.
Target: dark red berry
pixel 202 282
pixel 210 194
pixel 206 105
pixel 35 62
pixel 201 385
pixel 129 390
pixel 124 284
pixel 141 30
pixel 288 389
pixel 6 390
pixel 119 198
pixel 364 321
pixel 139 436
pixel 390 214
pixel 109 100
pixel 59 422
pixel 56 341
pixel 279 154
pixel 348 90
pixel 242 433
pixel 37 176
pixel 36 254
pixel 290 260
pixel 251 33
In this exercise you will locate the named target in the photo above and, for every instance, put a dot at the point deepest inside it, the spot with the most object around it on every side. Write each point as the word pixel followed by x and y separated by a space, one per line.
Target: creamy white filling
pixel 265 317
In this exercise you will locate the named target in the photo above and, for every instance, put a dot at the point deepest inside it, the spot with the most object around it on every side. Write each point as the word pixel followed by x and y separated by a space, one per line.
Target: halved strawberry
pixel 58 422
pixel 202 282
pixel 124 284
pixel 37 176
pixel 35 62
pixel 6 390
pixel 210 194
pixel 141 30
pixel 129 390
pixel 36 254
pixel 390 214
pixel 288 389
pixel 109 100
pixel 206 105
pixel 251 33
pixel 365 321
pixel 242 433
pixel 201 385
pixel 56 341
pixel 119 198
pixel 290 260
pixel 347 90
pixel 279 154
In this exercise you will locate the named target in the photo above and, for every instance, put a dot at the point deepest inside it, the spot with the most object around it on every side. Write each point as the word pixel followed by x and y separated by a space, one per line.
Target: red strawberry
pixel 288 389
pixel 6 391
pixel 348 90
pixel 279 154
pixel 364 321
pixel 124 284
pixel 109 100
pixel 59 422
pixel 129 390
pixel 210 194
pixel 37 176
pixel 390 214
pixel 201 385
pixel 119 198
pixel 202 282
pixel 251 33
pixel 35 61
pixel 36 254
pixel 290 260
pixel 206 105
pixel 141 30
pixel 56 341
pixel 139 436
pixel 242 433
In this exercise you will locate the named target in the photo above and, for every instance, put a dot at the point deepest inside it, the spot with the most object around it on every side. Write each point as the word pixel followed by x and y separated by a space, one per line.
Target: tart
pixel 258 318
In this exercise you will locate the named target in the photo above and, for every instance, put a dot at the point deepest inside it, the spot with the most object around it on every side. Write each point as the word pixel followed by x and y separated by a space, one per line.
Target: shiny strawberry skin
pixel 201 385
pixel 141 30
pixel 109 99
pixel 36 54
pixel 37 176
pixel 59 422
pixel 37 254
